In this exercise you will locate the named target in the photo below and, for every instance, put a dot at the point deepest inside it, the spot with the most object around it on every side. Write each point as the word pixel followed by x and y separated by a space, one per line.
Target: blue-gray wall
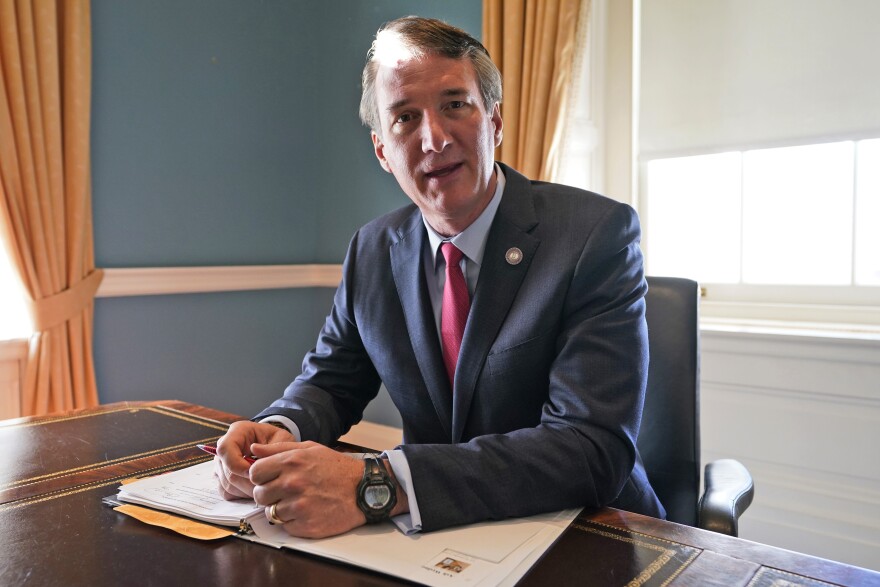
pixel 225 132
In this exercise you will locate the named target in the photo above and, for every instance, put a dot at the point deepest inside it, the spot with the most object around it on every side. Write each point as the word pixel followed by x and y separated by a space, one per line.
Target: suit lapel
pixel 408 271
pixel 497 287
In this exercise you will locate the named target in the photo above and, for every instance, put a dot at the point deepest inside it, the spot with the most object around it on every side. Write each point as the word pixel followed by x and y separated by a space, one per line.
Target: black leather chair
pixel 669 440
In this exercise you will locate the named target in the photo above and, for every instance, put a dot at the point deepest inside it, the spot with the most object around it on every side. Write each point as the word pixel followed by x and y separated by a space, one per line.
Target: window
pixel 793 224
pixel 14 320
pixel 797 240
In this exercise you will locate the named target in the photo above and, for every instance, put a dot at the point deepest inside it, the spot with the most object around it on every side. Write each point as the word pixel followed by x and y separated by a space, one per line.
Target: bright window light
pixel 790 216
pixel 14 319
pixel 868 213
pixel 798 215
pixel 693 217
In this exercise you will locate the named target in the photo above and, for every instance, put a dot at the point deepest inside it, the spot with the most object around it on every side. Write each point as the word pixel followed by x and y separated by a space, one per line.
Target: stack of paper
pixel 191 492
pixel 490 553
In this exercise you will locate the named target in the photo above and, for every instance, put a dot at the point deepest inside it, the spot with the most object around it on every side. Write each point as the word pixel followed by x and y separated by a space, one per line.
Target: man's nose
pixel 435 136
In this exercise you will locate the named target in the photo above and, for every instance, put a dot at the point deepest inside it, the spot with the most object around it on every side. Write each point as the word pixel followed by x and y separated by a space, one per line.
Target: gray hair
pixel 428 35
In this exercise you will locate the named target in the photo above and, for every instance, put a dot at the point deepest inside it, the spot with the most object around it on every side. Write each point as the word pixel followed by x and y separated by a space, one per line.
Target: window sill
pixel 778 328
pixel 805 320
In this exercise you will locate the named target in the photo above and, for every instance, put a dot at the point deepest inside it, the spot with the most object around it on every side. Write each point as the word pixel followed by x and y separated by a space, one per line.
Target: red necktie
pixel 456 305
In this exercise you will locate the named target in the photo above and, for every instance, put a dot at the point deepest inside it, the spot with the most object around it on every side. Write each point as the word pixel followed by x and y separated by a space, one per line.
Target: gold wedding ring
pixel 272 511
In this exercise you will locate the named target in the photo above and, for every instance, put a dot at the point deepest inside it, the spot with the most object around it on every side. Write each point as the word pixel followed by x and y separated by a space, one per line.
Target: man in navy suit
pixel 540 409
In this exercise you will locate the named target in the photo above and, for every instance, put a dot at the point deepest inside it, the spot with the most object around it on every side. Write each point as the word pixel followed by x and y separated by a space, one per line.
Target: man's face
pixel 437 138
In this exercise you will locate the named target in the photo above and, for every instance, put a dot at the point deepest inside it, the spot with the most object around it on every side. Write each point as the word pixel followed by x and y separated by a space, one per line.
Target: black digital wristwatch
pixel 377 492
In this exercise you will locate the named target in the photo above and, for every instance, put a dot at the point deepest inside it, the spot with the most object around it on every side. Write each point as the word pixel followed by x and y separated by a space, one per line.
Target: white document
pixel 191 492
pixel 488 553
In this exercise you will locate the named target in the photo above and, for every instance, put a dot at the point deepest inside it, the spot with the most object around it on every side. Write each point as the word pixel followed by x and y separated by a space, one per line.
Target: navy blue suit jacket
pixel 551 377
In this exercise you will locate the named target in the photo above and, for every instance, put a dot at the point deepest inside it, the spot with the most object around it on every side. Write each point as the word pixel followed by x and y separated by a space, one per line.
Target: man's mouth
pixel 442 171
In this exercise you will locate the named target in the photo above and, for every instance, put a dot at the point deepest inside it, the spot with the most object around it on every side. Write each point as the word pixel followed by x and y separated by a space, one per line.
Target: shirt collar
pixel 472 240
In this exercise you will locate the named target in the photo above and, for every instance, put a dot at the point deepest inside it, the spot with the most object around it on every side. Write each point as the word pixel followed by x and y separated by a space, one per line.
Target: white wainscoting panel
pixel 803 414
pixel 13 354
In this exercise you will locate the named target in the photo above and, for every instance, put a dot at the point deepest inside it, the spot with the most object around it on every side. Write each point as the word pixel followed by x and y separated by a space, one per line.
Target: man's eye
pixel 403 118
pixel 456 104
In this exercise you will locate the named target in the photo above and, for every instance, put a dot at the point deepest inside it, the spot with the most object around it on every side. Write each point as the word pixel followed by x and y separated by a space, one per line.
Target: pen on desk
pixel 213 451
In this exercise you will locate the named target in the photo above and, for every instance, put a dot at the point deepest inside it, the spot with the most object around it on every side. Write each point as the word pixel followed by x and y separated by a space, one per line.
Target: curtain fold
pixel 45 192
pixel 533 42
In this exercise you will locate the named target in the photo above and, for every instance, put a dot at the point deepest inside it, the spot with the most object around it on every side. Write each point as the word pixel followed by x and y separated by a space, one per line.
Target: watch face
pixel 377 496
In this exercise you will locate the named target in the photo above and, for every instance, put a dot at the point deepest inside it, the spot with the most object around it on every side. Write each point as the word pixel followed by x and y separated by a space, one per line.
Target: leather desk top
pixel 56 530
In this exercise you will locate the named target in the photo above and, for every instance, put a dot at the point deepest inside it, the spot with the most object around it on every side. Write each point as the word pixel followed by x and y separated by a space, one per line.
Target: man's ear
pixel 499 124
pixel 379 149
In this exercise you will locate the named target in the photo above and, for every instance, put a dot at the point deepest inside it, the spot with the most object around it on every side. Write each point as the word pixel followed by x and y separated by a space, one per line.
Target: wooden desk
pixel 56 531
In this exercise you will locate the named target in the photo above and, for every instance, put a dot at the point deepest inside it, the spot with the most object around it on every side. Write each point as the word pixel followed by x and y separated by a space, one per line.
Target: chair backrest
pixel 669 440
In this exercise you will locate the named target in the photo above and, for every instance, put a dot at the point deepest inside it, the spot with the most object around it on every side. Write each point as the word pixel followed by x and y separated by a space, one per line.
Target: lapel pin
pixel 513 256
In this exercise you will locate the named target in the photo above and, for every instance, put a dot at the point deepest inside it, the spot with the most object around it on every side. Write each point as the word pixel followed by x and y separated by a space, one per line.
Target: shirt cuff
pixel 287 423
pixel 409 523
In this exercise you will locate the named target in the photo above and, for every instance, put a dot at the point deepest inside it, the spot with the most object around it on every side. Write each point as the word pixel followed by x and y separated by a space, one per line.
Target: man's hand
pixel 231 468
pixel 313 486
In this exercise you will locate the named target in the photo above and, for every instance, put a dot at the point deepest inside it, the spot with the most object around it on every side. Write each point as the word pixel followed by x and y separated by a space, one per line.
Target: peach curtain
pixel 45 192
pixel 534 43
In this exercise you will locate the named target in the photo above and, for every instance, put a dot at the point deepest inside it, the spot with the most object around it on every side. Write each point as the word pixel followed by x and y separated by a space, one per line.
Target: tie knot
pixel 451 253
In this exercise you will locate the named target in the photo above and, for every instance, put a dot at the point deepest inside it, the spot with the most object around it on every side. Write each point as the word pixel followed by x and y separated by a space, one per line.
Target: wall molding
pixel 149 281
pixel 791 393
